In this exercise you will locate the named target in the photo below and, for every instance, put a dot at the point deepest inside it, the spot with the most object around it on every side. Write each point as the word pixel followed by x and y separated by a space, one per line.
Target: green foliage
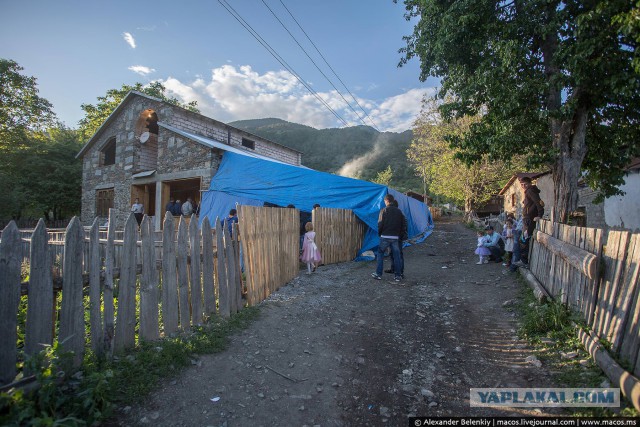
pixel 42 178
pixel 96 115
pixel 21 109
pixel 555 81
pixel 38 170
pixel 384 177
pixel 367 152
pixel 88 396
pixel 445 174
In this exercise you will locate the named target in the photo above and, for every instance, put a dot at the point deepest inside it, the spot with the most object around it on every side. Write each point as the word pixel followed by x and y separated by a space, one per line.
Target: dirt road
pixel 338 348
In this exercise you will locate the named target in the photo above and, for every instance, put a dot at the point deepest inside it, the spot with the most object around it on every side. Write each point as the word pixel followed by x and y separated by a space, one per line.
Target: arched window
pixel 147 122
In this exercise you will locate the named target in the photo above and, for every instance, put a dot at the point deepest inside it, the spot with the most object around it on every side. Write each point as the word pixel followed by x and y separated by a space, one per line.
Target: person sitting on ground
pixel 495 244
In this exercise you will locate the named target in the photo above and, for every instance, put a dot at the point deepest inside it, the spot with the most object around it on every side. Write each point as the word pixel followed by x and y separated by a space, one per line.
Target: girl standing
pixel 481 250
pixel 310 251
pixel 507 235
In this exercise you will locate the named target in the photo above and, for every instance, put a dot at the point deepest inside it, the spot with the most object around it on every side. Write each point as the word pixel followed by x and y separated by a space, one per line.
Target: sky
pixel 77 50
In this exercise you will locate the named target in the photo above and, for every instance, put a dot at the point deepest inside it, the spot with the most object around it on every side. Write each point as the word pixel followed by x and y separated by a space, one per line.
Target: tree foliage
pixel 39 173
pixel 21 109
pixel 96 115
pixel 554 78
pixel 440 166
pixel 43 179
pixel 384 177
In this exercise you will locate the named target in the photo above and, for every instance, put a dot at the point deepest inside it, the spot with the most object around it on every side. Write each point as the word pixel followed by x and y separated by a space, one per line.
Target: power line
pixel 275 54
pixel 316 65
pixel 328 65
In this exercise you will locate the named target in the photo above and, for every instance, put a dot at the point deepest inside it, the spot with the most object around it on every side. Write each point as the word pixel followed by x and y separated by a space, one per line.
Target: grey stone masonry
pixel 170 155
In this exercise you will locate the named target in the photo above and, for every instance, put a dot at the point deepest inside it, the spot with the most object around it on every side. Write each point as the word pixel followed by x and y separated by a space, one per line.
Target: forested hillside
pixel 358 151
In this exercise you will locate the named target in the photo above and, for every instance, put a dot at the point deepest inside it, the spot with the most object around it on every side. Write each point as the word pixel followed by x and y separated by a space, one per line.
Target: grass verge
pixel 550 328
pixel 88 396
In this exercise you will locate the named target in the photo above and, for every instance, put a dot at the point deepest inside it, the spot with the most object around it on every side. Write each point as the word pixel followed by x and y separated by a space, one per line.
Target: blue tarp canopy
pixel 250 181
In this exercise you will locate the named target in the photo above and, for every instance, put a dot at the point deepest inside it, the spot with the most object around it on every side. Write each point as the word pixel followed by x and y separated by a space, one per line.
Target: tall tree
pixel 554 78
pixel 21 109
pixel 96 114
pixel 384 177
pixel 438 164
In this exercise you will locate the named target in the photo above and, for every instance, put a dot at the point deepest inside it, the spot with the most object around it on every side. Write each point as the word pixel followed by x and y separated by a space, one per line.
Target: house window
pixel 513 199
pixel 248 143
pixel 108 153
pixel 104 202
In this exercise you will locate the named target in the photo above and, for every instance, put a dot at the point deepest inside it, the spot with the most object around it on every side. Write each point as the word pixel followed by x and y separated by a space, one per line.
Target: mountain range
pixel 358 152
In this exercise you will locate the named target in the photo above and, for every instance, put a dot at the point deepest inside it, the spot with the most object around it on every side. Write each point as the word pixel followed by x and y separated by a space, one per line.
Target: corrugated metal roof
pixel 211 143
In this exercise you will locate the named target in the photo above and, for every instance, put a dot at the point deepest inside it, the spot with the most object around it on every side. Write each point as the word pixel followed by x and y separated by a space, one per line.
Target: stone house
pixel 513 196
pixel 153 150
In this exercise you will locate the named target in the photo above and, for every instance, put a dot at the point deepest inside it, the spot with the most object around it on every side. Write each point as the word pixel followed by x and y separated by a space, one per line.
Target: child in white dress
pixel 507 235
pixel 482 250
pixel 310 251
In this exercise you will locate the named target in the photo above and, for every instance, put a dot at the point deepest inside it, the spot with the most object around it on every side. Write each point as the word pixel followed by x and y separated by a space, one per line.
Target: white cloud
pixel 129 39
pixel 237 93
pixel 142 70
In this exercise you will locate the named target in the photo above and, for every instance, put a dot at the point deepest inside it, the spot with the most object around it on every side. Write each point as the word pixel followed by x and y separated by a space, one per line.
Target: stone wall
pixel 177 157
pixel 594 213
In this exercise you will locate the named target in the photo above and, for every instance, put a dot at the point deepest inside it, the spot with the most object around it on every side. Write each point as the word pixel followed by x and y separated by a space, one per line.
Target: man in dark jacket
pixel 532 211
pixel 390 223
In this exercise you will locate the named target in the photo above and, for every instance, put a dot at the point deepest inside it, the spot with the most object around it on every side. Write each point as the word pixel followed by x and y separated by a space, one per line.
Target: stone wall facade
pixel 594 213
pixel 173 157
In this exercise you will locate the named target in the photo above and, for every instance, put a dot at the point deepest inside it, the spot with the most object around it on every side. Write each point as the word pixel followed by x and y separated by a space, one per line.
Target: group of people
pixel 177 208
pixel 513 243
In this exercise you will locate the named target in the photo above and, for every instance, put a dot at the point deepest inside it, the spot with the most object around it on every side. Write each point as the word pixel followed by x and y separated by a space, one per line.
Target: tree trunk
pixel 467 205
pixel 569 141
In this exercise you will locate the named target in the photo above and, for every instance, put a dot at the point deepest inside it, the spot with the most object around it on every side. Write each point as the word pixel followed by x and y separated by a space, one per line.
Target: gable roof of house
pixel 133 94
pixel 519 176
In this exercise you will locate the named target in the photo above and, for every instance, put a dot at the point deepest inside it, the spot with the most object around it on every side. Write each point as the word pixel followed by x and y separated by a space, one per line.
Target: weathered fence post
pixel 10 259
pixel 169 279
pixel 39 331
pixel 231 270
pixel 109 309
pixel 97 339
pixel 223 287
pixel 196 284
pixel 182 253
pixel 125 326
pixel 149 283
pixel 237 252
pixel 208 285
pixel 72 331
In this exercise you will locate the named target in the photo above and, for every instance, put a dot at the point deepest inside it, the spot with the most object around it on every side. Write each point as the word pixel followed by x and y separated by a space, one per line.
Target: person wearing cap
pixel 494 245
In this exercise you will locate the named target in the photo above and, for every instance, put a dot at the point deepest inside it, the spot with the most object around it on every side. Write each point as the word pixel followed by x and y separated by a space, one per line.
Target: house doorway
pixel 181 189
pixel 147 195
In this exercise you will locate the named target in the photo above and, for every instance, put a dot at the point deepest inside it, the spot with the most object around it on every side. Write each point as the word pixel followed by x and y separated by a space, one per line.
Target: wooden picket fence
pixel 596 274
pixel 180 276
pixel 339 234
